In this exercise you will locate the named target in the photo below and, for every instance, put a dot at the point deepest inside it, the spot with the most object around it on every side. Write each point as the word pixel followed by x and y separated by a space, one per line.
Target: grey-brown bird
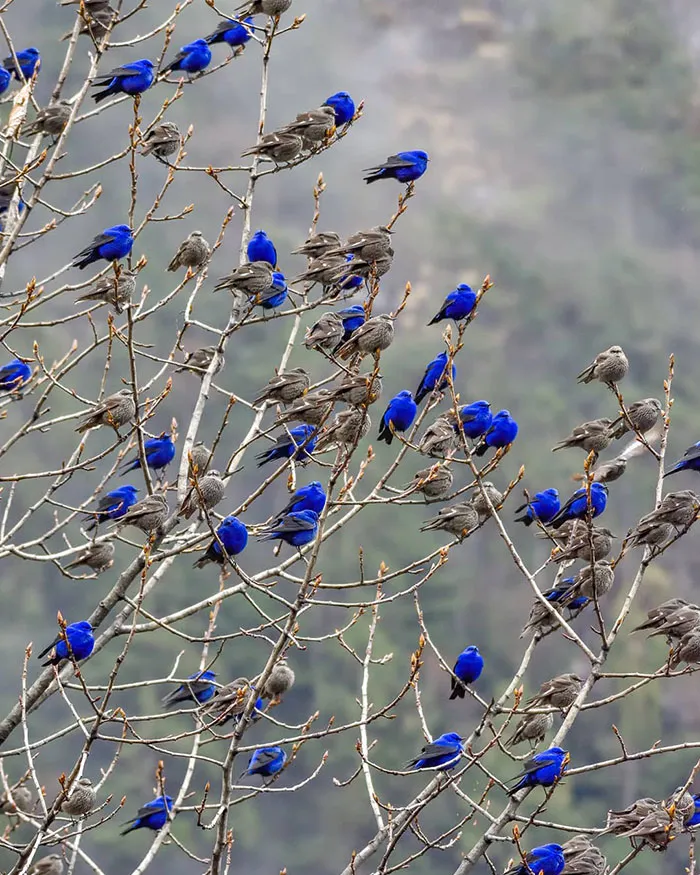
pixel 115 411
pixel 314 126
pixel 590 436
pixel 433 482
pixel 115 291
pixel 251 279
pixel 325 333
pixel 592 582
pixel 99 557
pixel 608 472
pixel 479 502
pixel 263 7
pixel 198 361
pixel 559 692
pixel 347 428
pixel 99 20
pixel 279 146
pixel 376 268
pixel 582 857
pixel 371 338
pixel 679 623
pixel 688 650
pixel 366 245
pixel 440 438
pixel 51 865
pixel 200 456
pixel 147 515
pixel 586 545
pixel 323 270
pixel 532 728
pixel 208 492
pixel 314 408
pixel 82 799
pixel 679 509
pixel 318 244
pixel 193 252
pixel 644 822
pixel 22 800
pixel 683 801
pixel 656 617
pixel 162 141
pixel 650 534
pixel 456 519
pixel 609 367
pixel 285 387
pixel 229 701
pixel 280 681
pixel 644 415
pixel 51 120
pixel 358 391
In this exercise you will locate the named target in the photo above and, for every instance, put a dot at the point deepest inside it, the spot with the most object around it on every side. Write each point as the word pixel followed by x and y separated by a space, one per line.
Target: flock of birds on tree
pixel 342 268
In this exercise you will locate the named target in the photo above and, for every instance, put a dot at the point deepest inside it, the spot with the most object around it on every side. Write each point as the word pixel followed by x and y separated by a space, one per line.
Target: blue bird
pixel 113 505
pixel 457 305
pixel 576 508
pixel 153 815
pixel 80 638
pixel 350 281
pixel 404 166
pixel 199 688
pixel 28 60
pixel 442 754
pixel 542 770
pixel 343 105
pixel 352 318
pixel 299 444
pixel 296 529
pixel 192 58
pixel 545 860
pixel 558 594
pixel 159 452
pixel 435 376
pixel 476 418
pixel 689 462
pixel 266 762
pixel 501 433
pixel 14 375
pixel 309 497
pixel 400 413
pixel 133 78
pixel 232 31
pixel 468 668
pixel 5 78
pixel 112 244
pixel 543 507
pixel 276 295
pixel 261 248
pixel 694 818
pixel 232 534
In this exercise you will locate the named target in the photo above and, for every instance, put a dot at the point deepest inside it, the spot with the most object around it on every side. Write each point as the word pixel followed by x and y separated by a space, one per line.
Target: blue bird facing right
pixel 113 505
pixel 232 534
pixel 14 375
pixel 131 79
pixel 404 167
pixel 199 688
pixel 468 668
pixel 343 105
pixel 298 444
pixel 261 248
pixel 543 507
pixel 266 762
pixel 232 31
pixel 309 497
pixel 27 59
pixel 111 245
pixel 153 815
pixel 457 305
pixel 398 416
pixel 689 462
pixel 80 638
pixel 576 508
pixel 296 529
pixel 159 452
pixel 442 754
pixel 542 770
pixel 192 58
pixel 544 860
pixel 500 434
pixel 435 377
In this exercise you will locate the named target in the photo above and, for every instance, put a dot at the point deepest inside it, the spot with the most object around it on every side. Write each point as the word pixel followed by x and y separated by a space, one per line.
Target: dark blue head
pixel 343 105
pixel 472 650
pixel 145 64
pixel 82 626
pixel 118 229
pixel 451 738
pixel 463 287
pixel 196 44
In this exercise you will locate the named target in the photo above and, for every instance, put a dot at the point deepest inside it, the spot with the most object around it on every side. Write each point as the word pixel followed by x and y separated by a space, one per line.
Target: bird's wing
pixel 691 453
pixel 532 765
pixel 436 750
pixel 265 757
pixel 391 162
pixel 50 647
pixel 122 72
pixel 295 524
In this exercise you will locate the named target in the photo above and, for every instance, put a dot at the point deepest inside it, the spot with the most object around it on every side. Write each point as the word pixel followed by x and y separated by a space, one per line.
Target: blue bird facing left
pixel 80 638
pixel 192 58
pixel 309 497
pixel 297 528
pixel 266 762
pixel 113 505
pixel 153 815
pixel 543 507
pixel 398 416
pixel 352 318
pixel 544 860
pixel 233 535
pixel 131 79
pixel 476 419
pixel 159 452
pixel 689 462
pixel 435 377
pixel 542 770
pixel 468 668
pixel 14 375
pixel 261 248
pixel 442 754
pixel 404 167
pixel 500 434
pixel 343 105
pixel 457 305
pixel 5 78
pixel 199 688
pixel 298 444
pixel 111 245
pixel 27 59
pixel 276 295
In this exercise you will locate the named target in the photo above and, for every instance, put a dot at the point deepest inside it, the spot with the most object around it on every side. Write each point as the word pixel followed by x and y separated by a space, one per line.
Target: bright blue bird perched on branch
pixel 468 668
pixel 543 507
pixel 232 534
pixel 80 638
pixel 298 444
pixel 576 508
pixel 404 167
pixel 159 452
pixel 398 416
pixel 435 376
pixel 153 815
pixel 131 79
pixel 442 754
pixel 111 245
pixel 543 770
pixel 457 305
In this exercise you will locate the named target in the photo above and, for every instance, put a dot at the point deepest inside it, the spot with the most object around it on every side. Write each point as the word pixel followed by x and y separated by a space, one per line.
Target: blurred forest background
pixel 565 162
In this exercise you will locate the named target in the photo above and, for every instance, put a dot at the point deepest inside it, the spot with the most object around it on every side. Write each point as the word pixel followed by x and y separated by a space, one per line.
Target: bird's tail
pixel 420 395
pixel 131 825
pixel 102 95
pixel 386 435
pixel 674 470
pixel 457 692
pixel 480 449
pixel 436 318
pixel 82 263
pixel 374 176
pixel 524 519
